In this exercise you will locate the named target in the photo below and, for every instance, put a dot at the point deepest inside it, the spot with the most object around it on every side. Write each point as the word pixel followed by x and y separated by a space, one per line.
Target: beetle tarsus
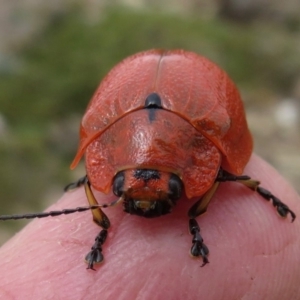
pixel 74 185
pixel 198 247
pixel 95 256
pixel 282 209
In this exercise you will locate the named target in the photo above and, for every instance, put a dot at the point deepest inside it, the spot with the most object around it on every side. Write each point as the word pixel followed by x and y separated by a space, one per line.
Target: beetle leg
pixel 95 256
pixel 198 247
pixel 282 209
pixel 201 205
pixel 199 208
pixel 74 185
pixel 99 217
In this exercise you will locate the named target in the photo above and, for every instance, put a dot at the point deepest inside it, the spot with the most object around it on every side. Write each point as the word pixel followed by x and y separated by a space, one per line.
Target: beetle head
pixel 147 192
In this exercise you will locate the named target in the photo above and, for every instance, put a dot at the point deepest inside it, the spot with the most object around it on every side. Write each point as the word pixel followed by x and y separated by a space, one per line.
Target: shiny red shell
pixel 201 127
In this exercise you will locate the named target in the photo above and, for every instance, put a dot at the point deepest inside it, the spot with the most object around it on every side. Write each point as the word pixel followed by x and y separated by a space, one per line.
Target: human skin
pixel 254 253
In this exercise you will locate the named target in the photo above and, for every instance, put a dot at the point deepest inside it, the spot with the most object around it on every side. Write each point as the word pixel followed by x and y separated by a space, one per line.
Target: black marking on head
pixel 152 103
pixel 146 174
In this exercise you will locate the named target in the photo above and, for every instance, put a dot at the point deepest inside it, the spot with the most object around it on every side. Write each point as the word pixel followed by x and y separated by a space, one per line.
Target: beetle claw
pixel 283 211
pixel 205 261
pixel 95 256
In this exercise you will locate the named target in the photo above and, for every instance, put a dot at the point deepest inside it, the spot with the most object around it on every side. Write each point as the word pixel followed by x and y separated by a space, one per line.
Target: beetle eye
pixel 118 184
pixel 175 187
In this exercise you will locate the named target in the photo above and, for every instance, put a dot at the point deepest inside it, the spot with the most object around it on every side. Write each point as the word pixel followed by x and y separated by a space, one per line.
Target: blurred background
pixel 53 55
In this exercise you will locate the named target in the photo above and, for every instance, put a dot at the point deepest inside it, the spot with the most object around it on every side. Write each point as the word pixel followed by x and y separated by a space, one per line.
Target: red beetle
pixel 162 123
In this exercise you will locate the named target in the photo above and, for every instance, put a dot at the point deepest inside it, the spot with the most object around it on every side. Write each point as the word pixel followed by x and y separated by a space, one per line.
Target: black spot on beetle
pixel 153 102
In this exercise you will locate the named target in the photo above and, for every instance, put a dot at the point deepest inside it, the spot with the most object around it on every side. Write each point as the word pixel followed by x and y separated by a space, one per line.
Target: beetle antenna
pixel 55 213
